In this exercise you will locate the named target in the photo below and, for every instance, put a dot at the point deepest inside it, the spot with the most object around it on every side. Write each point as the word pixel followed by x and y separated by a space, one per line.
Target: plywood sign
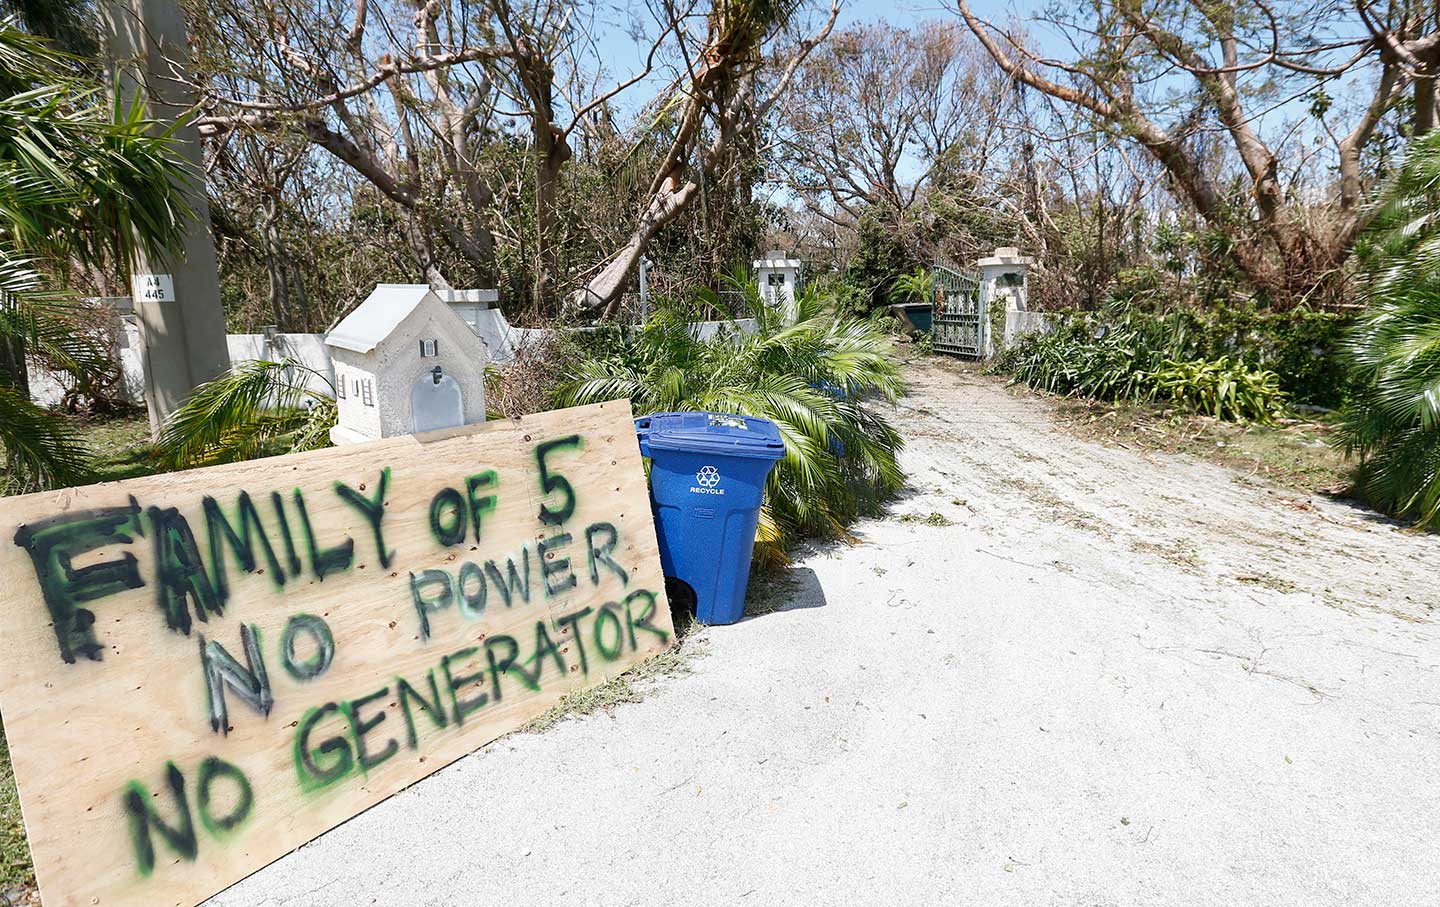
pixel 201 671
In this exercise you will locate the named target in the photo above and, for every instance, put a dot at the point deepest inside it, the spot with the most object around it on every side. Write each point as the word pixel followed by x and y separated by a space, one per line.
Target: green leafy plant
pixel 917 286
pixel 256 408
pixel 1221 388
pixel 81 178
pixel 1392 421
pixel 1136 360
pixel 807 369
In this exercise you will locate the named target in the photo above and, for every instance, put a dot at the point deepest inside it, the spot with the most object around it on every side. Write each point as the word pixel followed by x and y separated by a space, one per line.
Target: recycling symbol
pixel 708 476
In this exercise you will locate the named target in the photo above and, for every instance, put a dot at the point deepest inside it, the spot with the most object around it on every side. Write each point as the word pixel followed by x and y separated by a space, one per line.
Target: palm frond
pixel 235 416
pixel 41 451
pixel 807 370
pixel 81 174
pixel 1392 421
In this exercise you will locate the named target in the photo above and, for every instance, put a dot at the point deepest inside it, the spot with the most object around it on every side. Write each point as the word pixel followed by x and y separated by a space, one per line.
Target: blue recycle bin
pixel 707 479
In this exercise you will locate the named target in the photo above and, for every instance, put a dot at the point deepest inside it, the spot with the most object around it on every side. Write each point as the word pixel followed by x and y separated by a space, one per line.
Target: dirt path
pixel 1057 673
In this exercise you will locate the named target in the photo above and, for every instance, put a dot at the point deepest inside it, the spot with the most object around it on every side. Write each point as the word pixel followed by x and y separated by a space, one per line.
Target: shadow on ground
pixel 790 589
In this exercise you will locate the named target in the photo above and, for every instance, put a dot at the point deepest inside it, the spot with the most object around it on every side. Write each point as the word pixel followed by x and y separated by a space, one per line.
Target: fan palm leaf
pixel 242 412
pixel 84 177
pixel 1392 422
pixel 41 451
pixel 814 374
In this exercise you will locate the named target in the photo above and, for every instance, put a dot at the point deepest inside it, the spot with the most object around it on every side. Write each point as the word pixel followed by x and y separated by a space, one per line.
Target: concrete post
pixel 1003 283
pixel 177 300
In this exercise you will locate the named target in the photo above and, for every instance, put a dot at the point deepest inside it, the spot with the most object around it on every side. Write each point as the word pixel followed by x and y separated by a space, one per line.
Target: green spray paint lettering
pixel 571 623
pixel 373 509
pixel 321 639
pixel 361 727
pixel 323 561
pixel 432 707
pixel 178 833
pixel 249 682
pixel 555 571
pixel 182 580
pixel 481 505
pixel 552 483
pixel 600 553
pixel 320 766
pixel 241 543
pixel 55 543
pixel 448 517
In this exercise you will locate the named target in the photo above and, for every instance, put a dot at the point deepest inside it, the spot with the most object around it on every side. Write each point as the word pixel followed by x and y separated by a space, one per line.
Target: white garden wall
pixel 500 337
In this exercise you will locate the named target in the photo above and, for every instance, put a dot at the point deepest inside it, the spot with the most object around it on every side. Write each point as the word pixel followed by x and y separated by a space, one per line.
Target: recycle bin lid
pixel 703 432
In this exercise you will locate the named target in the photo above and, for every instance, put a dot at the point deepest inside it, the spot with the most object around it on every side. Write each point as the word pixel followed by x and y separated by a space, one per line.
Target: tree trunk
pixel 12 366
pixel 550 152
pixel 425 253
pixel 1424 104
pixel 275 267
pixel 605 288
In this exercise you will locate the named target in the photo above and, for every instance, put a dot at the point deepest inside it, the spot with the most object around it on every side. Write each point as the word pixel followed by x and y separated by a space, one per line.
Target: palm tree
pixel 917 286
pixel 82 178
pixel 1392 421
pixel 806 369
pixel 255 408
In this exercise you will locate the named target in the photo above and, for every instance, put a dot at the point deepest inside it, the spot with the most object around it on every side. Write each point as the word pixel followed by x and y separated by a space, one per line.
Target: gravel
pixel 1103 678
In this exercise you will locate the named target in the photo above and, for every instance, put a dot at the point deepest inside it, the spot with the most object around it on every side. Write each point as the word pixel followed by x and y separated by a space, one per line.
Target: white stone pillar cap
pixel 777 258
pixel 1006 256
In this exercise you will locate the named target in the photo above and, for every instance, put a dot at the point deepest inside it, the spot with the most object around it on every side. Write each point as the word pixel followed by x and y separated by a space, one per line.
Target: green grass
pixel 121 446
pixel 632 686
pixel 1294 452
pixel 15 868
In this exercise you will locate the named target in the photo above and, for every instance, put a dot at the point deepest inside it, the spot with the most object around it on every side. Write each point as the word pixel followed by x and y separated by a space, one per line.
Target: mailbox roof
pixel 378 316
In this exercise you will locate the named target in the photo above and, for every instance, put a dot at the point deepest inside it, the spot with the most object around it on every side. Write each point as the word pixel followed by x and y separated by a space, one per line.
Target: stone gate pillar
pixel 1003 285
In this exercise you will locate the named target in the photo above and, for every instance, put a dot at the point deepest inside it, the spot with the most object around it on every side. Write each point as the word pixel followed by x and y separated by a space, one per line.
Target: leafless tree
pixel 1171 76
pixel 721 96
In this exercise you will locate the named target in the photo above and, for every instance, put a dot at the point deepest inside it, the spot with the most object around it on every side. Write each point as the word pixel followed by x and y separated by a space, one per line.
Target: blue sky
pixel 1288 122
pixel 624 59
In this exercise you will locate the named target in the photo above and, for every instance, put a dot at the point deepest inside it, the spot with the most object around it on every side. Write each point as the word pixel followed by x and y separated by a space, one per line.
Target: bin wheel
pixel 682 599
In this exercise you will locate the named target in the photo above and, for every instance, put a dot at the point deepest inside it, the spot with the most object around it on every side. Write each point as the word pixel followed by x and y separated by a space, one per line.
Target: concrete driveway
pixel 1110 679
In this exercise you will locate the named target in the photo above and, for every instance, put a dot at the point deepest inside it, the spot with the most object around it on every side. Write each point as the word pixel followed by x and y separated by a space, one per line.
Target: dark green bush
pixel 1299 346
pixel 1138 359
pixel 1392 421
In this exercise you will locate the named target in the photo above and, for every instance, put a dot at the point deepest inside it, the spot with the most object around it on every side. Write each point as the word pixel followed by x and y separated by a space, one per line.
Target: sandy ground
pixel 1112 679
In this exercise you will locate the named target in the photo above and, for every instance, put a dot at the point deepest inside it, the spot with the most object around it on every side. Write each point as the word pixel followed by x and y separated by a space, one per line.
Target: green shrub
pixel 1221 388
pixel 1392 421
pixel 1300 346
pixel 808 370
pixel 1137 361
pixel 257 408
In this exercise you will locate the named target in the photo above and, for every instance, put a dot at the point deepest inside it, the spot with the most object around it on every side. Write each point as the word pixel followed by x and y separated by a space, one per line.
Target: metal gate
pixel 960 322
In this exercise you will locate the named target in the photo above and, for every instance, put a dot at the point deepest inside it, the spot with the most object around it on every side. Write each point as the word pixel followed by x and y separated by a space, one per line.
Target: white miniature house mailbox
pixel 778 276
pixel 405 362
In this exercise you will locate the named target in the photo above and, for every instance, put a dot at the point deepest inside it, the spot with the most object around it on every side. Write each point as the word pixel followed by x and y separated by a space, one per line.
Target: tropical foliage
pixel 1137 360
pixel 1220 388
pixel 1392 422
pixel 256 408
pixel 916 286
pixel 81 179
pixel 815 374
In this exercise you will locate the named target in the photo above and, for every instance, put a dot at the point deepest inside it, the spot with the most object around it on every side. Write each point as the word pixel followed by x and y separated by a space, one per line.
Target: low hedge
pixel 1299 346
